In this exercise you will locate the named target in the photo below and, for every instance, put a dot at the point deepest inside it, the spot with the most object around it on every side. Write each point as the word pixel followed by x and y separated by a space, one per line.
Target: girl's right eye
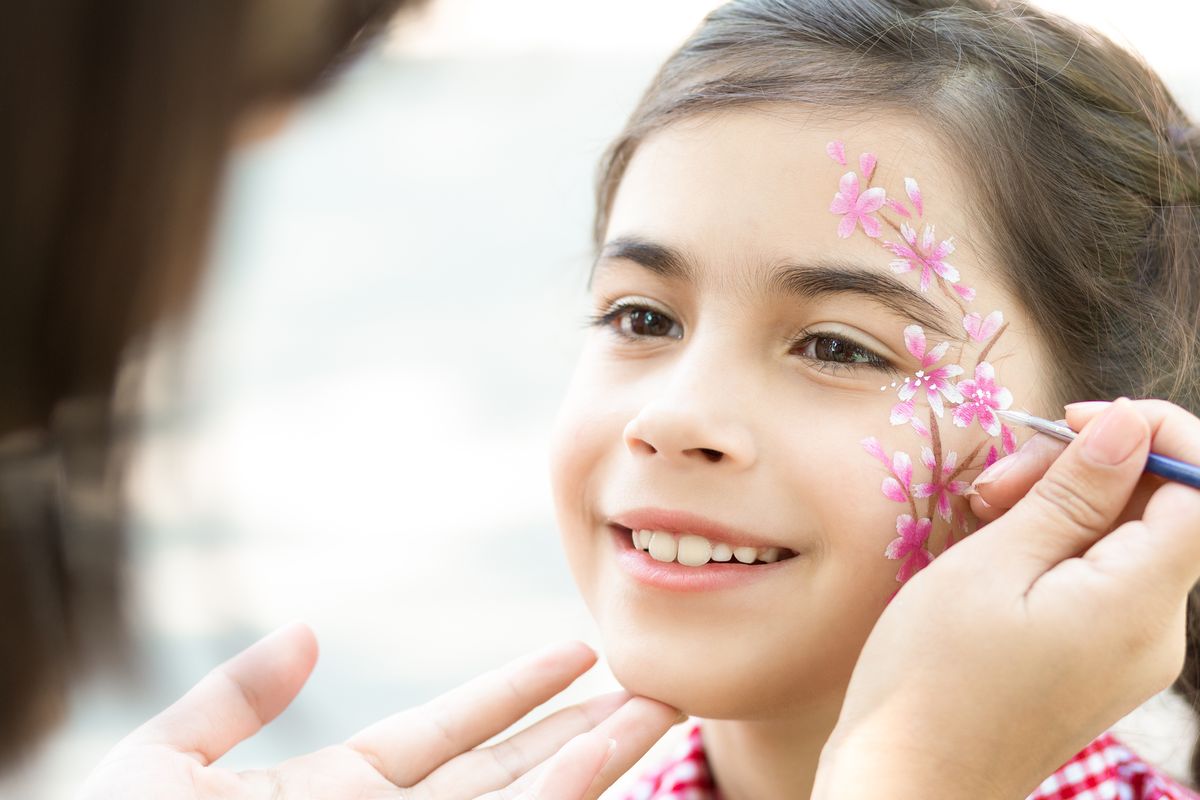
pixel 637 321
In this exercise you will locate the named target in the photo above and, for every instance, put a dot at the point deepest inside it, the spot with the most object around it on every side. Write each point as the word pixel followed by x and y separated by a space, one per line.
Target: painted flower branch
pixel 971 401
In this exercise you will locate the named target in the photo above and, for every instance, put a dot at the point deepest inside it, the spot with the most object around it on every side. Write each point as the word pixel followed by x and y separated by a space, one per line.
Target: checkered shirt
pixel 1104 770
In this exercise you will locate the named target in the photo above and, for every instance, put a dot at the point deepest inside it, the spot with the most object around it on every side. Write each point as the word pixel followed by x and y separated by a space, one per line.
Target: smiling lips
pixel 678 551
pixel 692 550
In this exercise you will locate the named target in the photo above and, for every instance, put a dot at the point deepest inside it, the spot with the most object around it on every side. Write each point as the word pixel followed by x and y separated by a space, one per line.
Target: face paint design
pixel 892 222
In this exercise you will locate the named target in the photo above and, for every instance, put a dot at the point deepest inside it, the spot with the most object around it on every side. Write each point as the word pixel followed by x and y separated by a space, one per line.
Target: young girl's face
pixel 746 351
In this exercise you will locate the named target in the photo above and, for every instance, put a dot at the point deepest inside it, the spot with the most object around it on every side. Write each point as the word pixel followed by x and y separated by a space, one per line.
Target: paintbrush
pixel 1170 468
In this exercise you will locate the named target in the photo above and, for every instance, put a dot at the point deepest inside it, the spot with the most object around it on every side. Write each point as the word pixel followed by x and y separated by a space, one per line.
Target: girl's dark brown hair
pixel 118 117
pixel 1089 171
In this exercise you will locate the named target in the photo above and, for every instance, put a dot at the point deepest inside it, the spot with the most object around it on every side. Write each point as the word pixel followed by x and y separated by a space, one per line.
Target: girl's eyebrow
pixel 813 280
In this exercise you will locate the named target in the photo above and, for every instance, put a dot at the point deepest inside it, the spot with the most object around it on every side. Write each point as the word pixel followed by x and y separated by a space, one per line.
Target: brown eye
pixel 632 321
pixel 841 351
pixel 647 322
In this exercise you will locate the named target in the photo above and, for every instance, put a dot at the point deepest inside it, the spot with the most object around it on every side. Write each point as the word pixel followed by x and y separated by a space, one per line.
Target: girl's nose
pixel 695 426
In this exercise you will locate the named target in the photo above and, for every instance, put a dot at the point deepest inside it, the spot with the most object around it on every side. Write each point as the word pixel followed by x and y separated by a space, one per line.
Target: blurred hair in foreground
pixel 120 117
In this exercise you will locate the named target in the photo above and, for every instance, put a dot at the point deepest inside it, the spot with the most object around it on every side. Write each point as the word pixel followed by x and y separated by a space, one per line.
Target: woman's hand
pixel 1021 643
pixel 427 753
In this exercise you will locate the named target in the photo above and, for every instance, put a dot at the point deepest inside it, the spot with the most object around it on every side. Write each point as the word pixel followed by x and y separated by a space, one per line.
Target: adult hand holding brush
pixel 1060 615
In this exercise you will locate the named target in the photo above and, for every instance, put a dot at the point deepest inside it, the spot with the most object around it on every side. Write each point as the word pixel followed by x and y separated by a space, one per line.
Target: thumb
pixel 235 700
pixel 1079 498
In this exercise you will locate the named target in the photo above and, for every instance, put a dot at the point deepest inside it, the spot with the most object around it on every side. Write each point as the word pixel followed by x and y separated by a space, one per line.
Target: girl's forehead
pixel 760 178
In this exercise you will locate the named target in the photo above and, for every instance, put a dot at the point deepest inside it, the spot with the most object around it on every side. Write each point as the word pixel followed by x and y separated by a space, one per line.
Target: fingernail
pixel 995 470
pixel 612 748
pixel 1114 436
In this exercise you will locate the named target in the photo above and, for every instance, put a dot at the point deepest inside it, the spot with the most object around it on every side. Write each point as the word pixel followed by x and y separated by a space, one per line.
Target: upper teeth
pixel 696 551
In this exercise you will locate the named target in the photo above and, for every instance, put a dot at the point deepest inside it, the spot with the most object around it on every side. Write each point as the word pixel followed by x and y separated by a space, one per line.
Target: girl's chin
pixel 715 682
pixel 729 672
pixel 692 695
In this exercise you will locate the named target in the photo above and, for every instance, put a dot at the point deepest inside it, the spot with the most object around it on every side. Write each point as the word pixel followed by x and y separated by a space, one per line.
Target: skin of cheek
pixel 774 647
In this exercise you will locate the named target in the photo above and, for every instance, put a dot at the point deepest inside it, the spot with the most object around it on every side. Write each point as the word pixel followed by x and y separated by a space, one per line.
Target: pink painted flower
pixel 928 257
pixel 837 151
pixel 982 328
pixel 933 381
pixel 899 208
pixel 909 545
pixel 856 208
pixel 965 292
pixel 981 398
pixel 940 486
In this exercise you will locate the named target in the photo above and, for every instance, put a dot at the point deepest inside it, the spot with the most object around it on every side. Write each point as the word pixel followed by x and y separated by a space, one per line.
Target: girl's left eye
pixel 836 351
pixel 637 321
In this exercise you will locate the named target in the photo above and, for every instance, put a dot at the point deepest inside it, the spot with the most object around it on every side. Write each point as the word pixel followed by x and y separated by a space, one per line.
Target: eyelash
pixel 615 310
pixel 803 339
pixel 875 361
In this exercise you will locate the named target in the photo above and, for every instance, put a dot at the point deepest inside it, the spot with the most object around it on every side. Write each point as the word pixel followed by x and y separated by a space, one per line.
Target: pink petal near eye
pixel 981 328
pixel 837 151
pixel 914 340
pixel 914 194
pixel 935 355
pixel 866 164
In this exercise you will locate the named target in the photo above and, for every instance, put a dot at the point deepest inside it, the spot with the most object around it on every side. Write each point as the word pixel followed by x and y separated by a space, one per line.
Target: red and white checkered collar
pixel 1104 770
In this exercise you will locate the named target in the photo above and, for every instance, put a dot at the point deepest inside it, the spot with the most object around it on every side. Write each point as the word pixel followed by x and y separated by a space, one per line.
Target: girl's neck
pixel 774 757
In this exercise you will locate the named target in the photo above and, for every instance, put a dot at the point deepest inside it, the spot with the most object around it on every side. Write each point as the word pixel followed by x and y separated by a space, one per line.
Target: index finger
pixel 408 746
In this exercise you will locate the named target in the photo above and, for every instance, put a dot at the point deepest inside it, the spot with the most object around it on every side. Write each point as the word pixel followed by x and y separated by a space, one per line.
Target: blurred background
pixel 352 430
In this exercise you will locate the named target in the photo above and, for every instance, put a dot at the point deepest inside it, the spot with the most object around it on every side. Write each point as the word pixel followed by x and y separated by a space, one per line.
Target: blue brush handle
pixel 1174 469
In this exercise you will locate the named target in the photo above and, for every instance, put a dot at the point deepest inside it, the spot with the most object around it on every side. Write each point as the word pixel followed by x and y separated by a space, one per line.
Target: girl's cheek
pixel 584 439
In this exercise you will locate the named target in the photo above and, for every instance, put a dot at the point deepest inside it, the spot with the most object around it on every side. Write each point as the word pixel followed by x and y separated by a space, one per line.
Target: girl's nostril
pixel 711 455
